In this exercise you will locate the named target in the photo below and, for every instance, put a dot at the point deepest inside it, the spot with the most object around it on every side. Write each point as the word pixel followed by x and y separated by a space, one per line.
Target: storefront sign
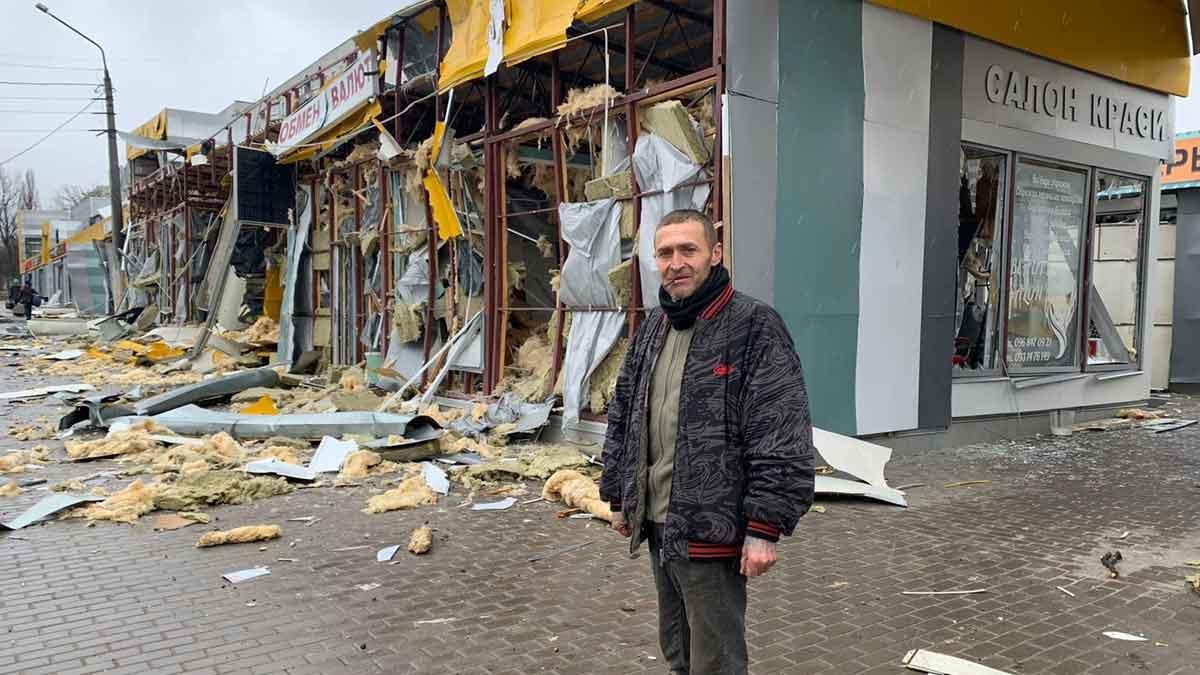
pixel 1184 167
pixel 352 88
pixel 1015 89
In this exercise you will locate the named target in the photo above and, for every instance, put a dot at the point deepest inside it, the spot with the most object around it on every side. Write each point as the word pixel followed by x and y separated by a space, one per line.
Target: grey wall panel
pixel 941 228
pixel 1185 341
pixel 752 48
pixel 753 147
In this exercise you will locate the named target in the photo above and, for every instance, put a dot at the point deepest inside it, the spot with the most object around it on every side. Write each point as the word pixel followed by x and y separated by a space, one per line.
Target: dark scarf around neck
pixel 683 314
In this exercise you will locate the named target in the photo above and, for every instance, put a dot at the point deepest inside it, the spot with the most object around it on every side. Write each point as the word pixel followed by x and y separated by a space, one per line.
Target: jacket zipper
pixel 643 451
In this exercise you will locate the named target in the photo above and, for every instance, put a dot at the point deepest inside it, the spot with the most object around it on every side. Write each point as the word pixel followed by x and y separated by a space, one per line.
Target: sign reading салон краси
pixel 1011 88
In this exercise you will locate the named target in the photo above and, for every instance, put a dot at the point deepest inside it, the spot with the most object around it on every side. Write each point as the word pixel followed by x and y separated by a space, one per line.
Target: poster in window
pixel 1049 209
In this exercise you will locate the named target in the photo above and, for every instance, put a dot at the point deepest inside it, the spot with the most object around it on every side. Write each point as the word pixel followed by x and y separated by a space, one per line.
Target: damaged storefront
pixel 460 202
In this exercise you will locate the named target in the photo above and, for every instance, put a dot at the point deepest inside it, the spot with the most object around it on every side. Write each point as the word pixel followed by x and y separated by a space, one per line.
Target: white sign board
pixel 1015 89
pixel 353 87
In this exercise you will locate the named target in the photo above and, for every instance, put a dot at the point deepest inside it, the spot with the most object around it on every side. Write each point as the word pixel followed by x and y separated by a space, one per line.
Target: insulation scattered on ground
pixel 602 386
pixel 413 492
pixel 362 464
pixel 548 460
pixel 489 474
pixel 40 430
pixel 240 535
pixel 442 417
pixel 14 462
pixel 97 369
pixel 218 487
pixel 352 380
pixel 73 485
pixel 136 440
pixel 358 400
pixel 577 490
pixel 176 521
pixel 10 489
pixel 421 540
pixel 1138 414
pixel 297 443
pixel 450 445
pixel 124 506
pixel 264 331
pixel 218 451
pixel 532 369
pixel 282 453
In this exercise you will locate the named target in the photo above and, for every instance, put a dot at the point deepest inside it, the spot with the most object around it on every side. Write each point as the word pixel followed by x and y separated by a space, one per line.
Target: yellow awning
pixel 360 118
pixel 468 50
pixel 155 130
pixel 535 28
pixel 439 204
pixel 594 10
pixel 369 38
pixel 1144 43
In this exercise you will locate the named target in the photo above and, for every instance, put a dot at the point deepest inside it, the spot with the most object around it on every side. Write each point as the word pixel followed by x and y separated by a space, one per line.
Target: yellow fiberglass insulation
pixel 602 385
pixel 421 540
pixel 124 506
pixel 280 452
pixel 240 535
pixel 413 492
pixel 545 461
pixel 578 491
pixel 359 464
pixel 14 462
pixel 210 488
pixel 73 485
pixel 129 442
pixel 10 489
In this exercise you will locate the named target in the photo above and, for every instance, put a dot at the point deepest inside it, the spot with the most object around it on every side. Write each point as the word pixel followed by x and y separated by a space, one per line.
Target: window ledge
pixel 1118 375
pixel 1029 382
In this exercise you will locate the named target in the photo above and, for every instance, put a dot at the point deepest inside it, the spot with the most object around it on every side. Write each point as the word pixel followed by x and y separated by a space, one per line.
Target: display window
pixel 1050 266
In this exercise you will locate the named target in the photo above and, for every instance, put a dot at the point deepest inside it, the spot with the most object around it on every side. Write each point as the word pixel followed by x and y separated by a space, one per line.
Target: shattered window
pixel 1048 217
pixel 1115 302
pixel 981 196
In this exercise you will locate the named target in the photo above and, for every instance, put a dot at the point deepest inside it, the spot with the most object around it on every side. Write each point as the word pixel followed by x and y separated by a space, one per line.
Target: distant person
pixel 709 451
pixel 26 297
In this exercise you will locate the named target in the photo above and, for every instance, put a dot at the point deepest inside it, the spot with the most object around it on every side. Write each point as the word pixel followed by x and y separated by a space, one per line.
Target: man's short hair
pixel 691 216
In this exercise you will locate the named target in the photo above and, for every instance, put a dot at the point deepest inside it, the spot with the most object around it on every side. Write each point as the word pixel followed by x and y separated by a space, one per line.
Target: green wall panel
pixel 819 208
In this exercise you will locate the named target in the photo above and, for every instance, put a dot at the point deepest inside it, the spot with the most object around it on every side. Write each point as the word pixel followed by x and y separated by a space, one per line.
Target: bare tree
pixel 70 195
pixel 29 199
pixel 10 194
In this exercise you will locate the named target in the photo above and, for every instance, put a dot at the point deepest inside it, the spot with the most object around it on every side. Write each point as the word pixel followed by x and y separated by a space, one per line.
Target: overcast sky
pixel 164 54
pixel 169 53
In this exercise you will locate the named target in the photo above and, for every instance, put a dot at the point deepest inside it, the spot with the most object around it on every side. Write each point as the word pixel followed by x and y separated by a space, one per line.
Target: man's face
pixel 684 258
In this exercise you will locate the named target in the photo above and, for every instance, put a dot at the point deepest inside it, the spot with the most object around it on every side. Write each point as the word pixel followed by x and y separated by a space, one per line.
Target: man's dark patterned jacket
pixel 744 454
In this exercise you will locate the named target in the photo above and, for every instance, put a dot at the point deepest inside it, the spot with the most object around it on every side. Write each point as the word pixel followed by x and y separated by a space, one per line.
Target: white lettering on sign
pixel 1019 91
pixel 353 87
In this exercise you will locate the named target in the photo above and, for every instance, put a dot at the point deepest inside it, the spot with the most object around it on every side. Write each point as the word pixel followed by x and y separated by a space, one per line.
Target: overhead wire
pixel 21 83
pixel 51 133
pixel 47 67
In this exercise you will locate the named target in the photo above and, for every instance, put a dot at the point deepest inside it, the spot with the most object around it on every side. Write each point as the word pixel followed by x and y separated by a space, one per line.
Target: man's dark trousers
pixel 701 613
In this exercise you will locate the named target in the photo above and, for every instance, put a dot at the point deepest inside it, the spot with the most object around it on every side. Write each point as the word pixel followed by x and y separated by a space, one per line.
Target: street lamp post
pixel 114 169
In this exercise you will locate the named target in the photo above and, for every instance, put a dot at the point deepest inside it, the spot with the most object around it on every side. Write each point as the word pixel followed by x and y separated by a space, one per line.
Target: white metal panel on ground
pixel 897 52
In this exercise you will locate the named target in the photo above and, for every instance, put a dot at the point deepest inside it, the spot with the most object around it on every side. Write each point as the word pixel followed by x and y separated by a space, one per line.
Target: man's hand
pixel 758 555
pixel 621 525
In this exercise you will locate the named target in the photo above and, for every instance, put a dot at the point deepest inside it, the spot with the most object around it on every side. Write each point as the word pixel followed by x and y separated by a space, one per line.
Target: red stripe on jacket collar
pixel 719 304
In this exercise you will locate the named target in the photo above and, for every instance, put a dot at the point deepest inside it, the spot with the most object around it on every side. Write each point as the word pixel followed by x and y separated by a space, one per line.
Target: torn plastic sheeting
pixel 435 478
pixel 661 167
pixel 46 507
pixel 276 467
pixel 593 230
pixel 194 420
pixel 331 454
pixel 526 417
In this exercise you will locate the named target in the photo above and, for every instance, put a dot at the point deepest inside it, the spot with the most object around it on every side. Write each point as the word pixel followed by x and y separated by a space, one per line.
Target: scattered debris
pixel 973 591
pixel 46 507
pixel 211 488
pixel 421 540
pixel 1193 582
pixel 246 575
pixel 1065 591
pixel 1138 414
pixel 359 464
pixel 860 459
pixel 966 483
pixel 1127 637
pixel 1110 560
pixel 1163 426
pixel 1124 535
pixel 124 506
pixel 349 548
pixel 40 392
pixel 559 551
pixel 435 478
pixel 577 490
pixel 240 535
pixel 10 489
pixel 177 521
pixel 498 506
pixel 331 455
pixel 367 587
pixel 817 508
pixel 413 492
pixel 942 664
pixel 278 468
pixel 387 553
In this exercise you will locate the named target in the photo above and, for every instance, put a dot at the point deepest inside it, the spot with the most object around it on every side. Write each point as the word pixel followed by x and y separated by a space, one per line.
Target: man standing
pixel 709 450
pixel 25 298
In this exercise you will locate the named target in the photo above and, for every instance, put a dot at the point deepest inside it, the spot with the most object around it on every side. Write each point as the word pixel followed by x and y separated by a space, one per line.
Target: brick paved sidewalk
pixel 124 599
